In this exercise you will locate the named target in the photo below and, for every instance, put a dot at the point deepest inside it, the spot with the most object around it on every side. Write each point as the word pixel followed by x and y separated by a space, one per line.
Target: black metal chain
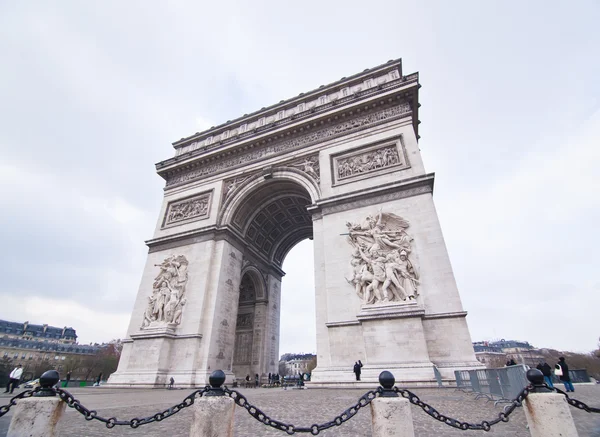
pixel 485 425
pixel 25 394
pixel 135 422
pixel 575 403
pixel 314 429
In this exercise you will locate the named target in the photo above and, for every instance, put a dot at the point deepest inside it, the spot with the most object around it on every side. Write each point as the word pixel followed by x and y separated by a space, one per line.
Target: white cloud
pixel 96 93
pixel 91 324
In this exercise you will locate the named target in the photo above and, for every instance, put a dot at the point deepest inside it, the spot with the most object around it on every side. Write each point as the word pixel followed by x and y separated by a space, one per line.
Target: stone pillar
pixel 391 417
pixel 213 413
pixel 391 414
pixel 36 417
pixel 213 416
pixel 547 413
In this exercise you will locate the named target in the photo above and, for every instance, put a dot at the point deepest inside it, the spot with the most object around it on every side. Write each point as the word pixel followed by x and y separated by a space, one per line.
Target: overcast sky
pixel 92 94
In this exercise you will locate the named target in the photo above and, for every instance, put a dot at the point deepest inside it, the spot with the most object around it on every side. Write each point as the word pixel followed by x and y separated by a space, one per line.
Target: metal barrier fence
pixel 504 383
pixel 577 376
pixel 500 385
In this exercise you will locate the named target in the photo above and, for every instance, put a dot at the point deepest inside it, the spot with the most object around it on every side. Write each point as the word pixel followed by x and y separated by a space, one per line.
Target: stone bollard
pixel 38 415
pixel 213 412
pixel 547 413
pixel 391 414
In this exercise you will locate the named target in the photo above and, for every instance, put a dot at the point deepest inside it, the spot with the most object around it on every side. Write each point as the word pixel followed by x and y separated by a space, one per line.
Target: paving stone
pixel 302 408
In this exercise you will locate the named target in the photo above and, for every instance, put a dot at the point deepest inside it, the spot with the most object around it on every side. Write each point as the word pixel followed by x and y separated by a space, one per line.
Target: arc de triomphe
pixel 341 165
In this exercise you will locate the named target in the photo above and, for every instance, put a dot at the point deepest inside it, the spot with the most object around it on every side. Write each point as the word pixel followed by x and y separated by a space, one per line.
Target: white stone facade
pixel 240 196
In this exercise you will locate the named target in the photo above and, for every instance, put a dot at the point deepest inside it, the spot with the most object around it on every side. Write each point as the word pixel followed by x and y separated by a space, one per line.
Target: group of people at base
pixel 249 381
pixel 561 369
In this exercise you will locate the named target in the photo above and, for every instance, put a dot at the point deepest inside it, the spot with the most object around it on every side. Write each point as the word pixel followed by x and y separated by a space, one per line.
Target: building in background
pixel 45 333
pixel 497 353
pixel 491 356
pixel 41 347
pixel 292 364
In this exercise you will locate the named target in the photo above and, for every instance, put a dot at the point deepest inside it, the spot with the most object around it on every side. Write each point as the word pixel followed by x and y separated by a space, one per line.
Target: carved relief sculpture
pixel 187 209
pixel 310 166
pixel 381 267
pixel 165 305
pixel 232 184
pixel 367 162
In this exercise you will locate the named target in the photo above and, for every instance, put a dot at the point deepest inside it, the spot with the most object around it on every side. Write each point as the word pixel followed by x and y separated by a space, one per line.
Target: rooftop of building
pixel 503 344
pixel 46 346
pixel 33 330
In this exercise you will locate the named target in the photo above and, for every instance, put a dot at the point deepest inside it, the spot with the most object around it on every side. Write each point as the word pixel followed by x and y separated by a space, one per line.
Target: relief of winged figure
pixel 166 302
pixel 381 268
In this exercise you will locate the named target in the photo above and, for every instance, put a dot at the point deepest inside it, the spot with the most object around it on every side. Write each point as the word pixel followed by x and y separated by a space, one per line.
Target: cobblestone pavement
pixel 300 407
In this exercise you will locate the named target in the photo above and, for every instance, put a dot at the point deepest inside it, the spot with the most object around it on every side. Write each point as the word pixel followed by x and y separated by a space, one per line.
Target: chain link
pixel 290 429
pixel 314 429
pixel 575 403
pixel 135 422
pixel 25 394
pixel 485 425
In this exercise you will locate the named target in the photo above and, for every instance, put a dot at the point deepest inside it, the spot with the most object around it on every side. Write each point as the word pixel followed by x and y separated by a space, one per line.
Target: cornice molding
pixel 369 79
pixel 282 144
pixel 370 196
pixel 196 148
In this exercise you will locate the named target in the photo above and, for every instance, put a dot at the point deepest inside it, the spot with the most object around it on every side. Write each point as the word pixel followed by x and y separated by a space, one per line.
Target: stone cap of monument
pixel 340 94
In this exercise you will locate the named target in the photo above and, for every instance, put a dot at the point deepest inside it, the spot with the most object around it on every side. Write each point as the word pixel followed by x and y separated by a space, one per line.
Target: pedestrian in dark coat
pixel 357 367
pixel 547 372
pixel 564 377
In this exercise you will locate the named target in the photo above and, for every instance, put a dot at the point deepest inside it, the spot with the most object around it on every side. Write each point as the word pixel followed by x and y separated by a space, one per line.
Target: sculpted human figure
pixel 149 313
pixel 391 266
pixel 410 279
pixel 381 268
pixel 161 300
pixel 377 263
pixel 170 306
pixel 168 290
pixel 178 312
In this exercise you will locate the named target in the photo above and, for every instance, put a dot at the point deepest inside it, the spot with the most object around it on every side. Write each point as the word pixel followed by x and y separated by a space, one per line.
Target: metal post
pixel 38 416
pixel 213 413
pixel 547 413
pixel 391 414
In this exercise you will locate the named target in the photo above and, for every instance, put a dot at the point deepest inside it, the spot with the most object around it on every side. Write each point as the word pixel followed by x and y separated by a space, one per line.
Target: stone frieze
pixel 194 207
pixel 282 146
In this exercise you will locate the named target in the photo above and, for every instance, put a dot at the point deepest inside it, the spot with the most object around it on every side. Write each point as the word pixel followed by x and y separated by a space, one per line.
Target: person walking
pixel 68 379
pixel 562 370
pixel 171 382
pixel 356 370
pixel 256 380
pixel 547 372
pixel 14 378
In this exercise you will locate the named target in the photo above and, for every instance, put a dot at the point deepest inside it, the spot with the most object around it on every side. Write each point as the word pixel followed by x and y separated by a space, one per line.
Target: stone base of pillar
pixel 391 417
pixel 36 417
pixel 213 416
pixel 548 415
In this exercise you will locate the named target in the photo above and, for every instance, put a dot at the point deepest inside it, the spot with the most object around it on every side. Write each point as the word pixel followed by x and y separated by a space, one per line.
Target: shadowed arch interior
pixel 273 218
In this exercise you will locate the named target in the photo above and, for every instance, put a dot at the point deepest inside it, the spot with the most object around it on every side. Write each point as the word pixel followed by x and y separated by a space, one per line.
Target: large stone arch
pixel 340 164
pixel 269 176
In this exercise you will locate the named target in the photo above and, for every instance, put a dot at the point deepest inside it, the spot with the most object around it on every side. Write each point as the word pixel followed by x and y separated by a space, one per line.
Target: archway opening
pixel 272 218
pixel 298 319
